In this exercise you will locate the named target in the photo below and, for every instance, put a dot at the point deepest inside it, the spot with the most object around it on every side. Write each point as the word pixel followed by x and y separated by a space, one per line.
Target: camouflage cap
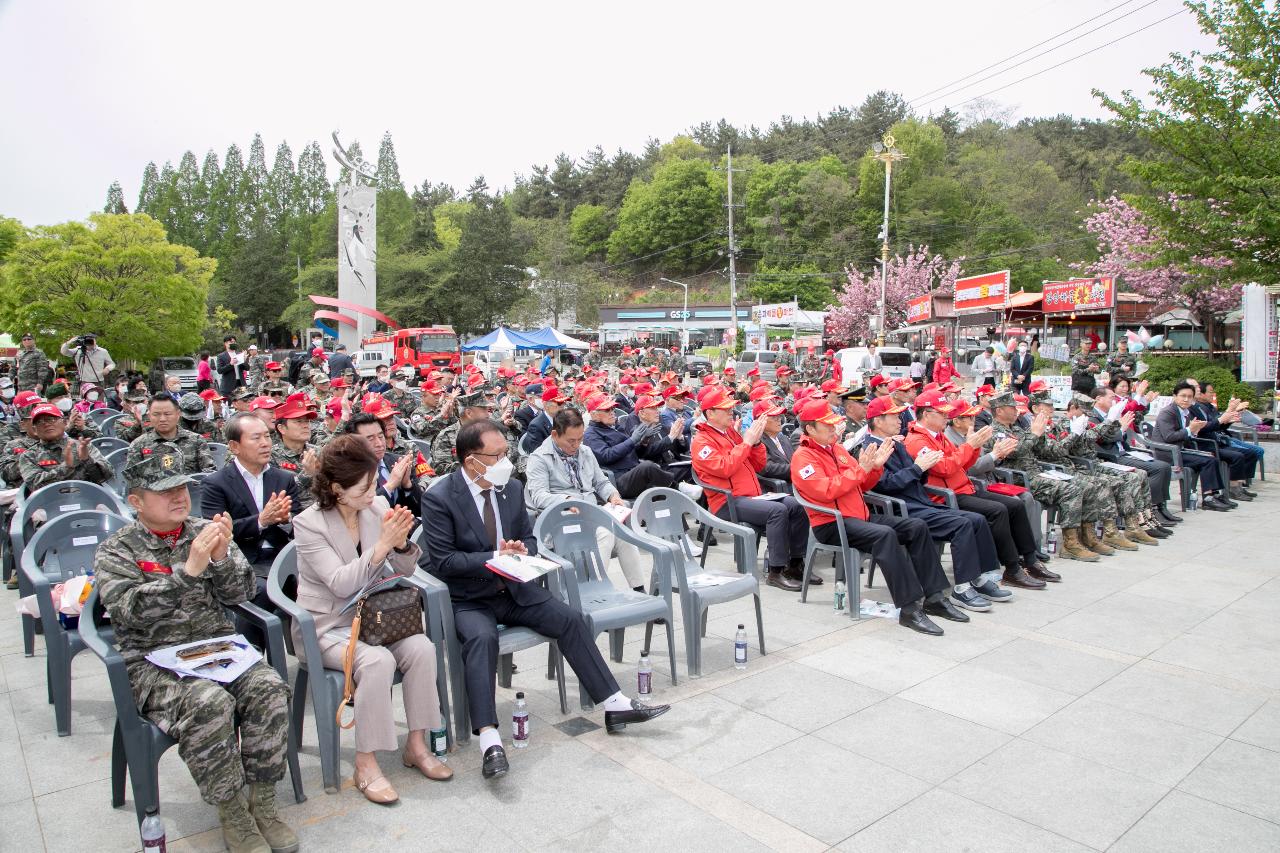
pixel 476 399
pixel 191 405
pixel 157 472
pixel 136 396
pixel 243 393
pixel 1040 398
pixel 1083 401
pixel 1002 400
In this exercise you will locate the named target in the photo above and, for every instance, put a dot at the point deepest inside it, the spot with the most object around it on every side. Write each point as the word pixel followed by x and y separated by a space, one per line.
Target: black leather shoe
pixel 1042 556
pixel 1039 571
pixel 796 571
pixel 1020 579
pixel 1238 494
pixel 1224 499
pixel 944 609
pixel 779 579
pixel 1214 505
pixel 815 580
pixel 616 721
pixel 495 762
pixel 1162 513
pixel 917 621
pixel 1159 532
pixel 1248 493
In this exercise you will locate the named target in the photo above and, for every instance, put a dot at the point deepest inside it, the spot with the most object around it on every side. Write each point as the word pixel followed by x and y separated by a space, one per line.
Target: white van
pixel 896 361
pixel 367 361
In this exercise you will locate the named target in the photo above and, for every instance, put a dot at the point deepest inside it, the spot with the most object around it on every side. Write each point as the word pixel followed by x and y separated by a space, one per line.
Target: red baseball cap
pixel 46 409
pixel 883 406
pixel 643 388
pixel 27 398
pixel 552 394
pixel 319 351
pixel 817 410
pixel 340 382
pixel 210 395
pixel 902 383
pixel 755 371
pixel 761 393
pixel 931 400
pixel 294 409
pixel 730 369
pixel 647 402
pixel 673 391
pixel 709 379
pixel 784 371
pixel 830 352
pixel 263 403
pixel 766 409
pixel 716 398
pixel 1038 385
pixel 984 391
pixel 378 407
pixel 832 385
pixel 600 403
pixel 963 410
pixel 273 365
pixel 334 409
pixel 475 380
pixel 876 381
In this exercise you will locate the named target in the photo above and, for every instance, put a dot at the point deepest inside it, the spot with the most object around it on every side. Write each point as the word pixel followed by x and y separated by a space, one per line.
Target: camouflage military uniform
pixel 444 450
pixel 42 465
pixel 196 458
pixel 1122 364
pixel 304 373
pixel 810 368
pixel 1128 488
pixel 257 370
pixel 129 428
pixel 291 460
pixel 784 359
pixel 33 369
pixel 427 421
pixel 10 456
pixel 274 386
pixel 153 604
pixel 401 401
pixel 595 359
pixel 679 364
pixel 205 428
pixel 1083 372
pixel 1066 496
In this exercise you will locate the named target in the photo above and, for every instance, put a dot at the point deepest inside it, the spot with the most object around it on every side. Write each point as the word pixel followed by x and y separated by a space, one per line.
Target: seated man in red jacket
pixel 1006 515
pixel 825 474
pixel 726 460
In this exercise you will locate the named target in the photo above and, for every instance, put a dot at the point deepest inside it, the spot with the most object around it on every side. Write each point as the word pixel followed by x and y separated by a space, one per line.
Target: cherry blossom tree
pixel 912 275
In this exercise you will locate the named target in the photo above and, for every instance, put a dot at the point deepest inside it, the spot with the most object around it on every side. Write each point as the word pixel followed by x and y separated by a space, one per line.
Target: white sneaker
pixel 690 491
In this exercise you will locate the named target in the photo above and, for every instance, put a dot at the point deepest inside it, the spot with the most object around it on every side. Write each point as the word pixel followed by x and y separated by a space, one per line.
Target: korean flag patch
pixel 806 472
pixel 706 451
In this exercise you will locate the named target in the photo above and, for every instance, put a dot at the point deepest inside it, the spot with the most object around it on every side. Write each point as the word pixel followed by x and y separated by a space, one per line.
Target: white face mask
pixel 499 474
pixel 92 396
pixel 142 409
pixel 8 394
pixel 122 390
pixel 64 404
pixel 399 384
pixel 536 402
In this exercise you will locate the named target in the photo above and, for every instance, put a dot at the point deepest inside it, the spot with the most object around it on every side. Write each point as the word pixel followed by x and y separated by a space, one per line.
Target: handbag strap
pixel 348 663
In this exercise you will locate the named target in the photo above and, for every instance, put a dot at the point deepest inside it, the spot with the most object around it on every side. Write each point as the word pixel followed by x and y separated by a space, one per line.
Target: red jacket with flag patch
pixel 725 461
pixel 953 471
pixel 830 476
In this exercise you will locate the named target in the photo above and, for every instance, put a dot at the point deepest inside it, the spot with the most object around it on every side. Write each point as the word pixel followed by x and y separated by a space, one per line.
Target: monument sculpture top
pixel 358 168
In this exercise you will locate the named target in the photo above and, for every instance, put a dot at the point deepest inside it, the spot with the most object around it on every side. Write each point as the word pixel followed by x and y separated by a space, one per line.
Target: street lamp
pixel 886 153
pixel 684 317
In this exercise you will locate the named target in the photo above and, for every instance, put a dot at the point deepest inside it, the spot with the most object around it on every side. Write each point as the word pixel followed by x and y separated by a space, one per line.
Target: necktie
pixel 490 520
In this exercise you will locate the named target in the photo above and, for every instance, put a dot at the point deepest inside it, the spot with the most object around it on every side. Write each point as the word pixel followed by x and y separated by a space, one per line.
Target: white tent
pixel 565 340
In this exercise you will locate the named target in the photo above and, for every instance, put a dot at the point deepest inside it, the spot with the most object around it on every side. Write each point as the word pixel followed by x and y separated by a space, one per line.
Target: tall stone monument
pixel 357 248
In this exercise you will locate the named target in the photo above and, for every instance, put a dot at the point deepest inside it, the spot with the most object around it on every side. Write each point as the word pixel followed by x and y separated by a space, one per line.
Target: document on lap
pixel 520 568
pixel 221 659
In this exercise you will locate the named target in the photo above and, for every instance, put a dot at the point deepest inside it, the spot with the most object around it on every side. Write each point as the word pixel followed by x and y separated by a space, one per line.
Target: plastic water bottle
pixel 1053 538
pixel 644 676
pixel 1193 499
pixel 153 832
pixel 839 596
pixel 740 648
pixel 440 743
pixel 520 723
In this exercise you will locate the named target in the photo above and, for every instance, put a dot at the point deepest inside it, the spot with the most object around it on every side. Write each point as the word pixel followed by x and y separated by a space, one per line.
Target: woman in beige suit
pixel 347 538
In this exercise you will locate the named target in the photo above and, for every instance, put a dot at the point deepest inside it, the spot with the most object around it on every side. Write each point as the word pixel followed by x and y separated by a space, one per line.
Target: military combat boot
pixel 262 805
pixel 239 831
pixel 1134 533
pixel 1072 549
pixel 1113 537
pixel 1093 543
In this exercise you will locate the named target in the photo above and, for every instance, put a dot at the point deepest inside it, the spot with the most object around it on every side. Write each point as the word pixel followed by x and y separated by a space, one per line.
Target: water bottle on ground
pixel 1193 499
pixel 740 648
pixel 644 676
pixel 839 596
pixel 153 832
pixel 1052 544
pixel 520 723
pixel 440 743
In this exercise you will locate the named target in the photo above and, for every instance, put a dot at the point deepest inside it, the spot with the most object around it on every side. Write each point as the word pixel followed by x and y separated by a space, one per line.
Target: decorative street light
pixel 886 153
pixel 684 316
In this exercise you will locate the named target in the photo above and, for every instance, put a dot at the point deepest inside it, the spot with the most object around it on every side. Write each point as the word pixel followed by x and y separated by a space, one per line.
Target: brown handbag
pixel 381 619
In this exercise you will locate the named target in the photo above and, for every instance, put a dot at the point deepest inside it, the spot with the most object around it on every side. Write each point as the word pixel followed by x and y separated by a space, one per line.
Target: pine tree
pixel 115 199
pixel 166 204
pixel 210 175
pixel 189 204
pixel 387 175
pixel 313 189
pixel 282 187
pixel 225 202
pixel 254 192
pixel 149 190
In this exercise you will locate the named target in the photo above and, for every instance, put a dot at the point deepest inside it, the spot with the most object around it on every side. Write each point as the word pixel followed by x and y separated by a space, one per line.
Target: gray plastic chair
pixel 845 558
pixel 138 743
pixel 660 513
pixel 423 447
pixel 107 426
pixel 55 499
pixel 219 452
pixel 107 443
pixel 117 459
pixel 60 550
pixel 730 503
pixel 326 691
pixel 1247 433
pixel 194 490
pixel 97 416
pixel 569 530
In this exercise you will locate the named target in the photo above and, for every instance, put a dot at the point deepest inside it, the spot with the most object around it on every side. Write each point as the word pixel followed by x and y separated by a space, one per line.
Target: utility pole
pixel 886 153
pixel 733 271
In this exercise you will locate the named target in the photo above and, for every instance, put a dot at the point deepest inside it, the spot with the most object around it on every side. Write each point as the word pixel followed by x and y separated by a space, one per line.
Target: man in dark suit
pixel 1241 464
pixel 259 497
pixel 472 516
pixel 397 473
pixel 1178 425
pixel 1159 473
pixel 540 426
pixel 340 361
pixel 777 449
pixel 227 367
pixel 525 414
pixel 1021 365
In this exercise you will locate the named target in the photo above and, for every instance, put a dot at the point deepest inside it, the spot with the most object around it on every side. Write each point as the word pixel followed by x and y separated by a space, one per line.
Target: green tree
pixel 314 191
pixel 805 283
pixel 115 199
pixel 149 190
pixel 116 275
pixel 11 234
pixel 227 209
pixel 486 273
pixel 281 187
pixel 589 229
pixel 387 174
pixel 677 215
pixel 258 281
pixel 1215 125
pixel 254 190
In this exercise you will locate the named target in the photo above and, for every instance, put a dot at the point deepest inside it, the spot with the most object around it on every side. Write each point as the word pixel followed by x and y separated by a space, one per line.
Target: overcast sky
pixel 93 90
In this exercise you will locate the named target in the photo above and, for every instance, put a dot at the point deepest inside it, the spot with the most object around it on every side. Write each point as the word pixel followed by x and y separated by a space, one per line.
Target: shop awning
pixel 1175 317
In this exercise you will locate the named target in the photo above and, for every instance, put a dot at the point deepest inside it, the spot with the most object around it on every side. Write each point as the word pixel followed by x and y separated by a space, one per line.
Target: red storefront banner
pixel 1081 295
pixel 982 292
pixel 920 308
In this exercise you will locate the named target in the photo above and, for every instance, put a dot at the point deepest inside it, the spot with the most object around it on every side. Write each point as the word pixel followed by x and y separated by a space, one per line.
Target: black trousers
pixel 973 551
pixel 785 523
pixel 1006 515
pixel 1207 468
pixel 1240 464
pixel 902 548
pixel 643 476
pixel 477 625
pixel 1159 475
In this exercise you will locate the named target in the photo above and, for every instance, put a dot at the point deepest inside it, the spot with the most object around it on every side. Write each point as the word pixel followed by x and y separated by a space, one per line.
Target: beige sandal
pixel 383 796
pixel 439 771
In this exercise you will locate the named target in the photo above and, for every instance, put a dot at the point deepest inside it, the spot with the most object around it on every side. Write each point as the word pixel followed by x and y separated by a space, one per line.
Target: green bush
pixel 1165 371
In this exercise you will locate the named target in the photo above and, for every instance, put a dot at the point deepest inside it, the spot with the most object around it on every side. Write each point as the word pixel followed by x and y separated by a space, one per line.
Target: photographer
pixel 93 362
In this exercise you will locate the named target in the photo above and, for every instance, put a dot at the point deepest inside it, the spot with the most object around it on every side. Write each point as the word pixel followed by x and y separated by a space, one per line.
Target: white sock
pixel 991 577
pixel 488 738
pixel 617 702
pixel 961 587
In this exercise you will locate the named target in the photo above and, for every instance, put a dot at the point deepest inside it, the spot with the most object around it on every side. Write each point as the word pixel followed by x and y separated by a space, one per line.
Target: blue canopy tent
pixel 503 338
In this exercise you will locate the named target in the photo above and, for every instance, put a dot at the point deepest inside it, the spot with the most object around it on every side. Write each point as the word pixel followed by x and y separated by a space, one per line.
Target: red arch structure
pixel 351 307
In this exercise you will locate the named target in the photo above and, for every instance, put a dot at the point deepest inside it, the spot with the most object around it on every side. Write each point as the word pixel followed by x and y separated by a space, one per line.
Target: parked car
pixel 896 361
pixel 763 359
pixel 181 366
pixel 698 365
pixel 367 362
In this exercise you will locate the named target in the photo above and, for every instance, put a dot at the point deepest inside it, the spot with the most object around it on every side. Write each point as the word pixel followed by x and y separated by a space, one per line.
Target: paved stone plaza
pixel 1134 707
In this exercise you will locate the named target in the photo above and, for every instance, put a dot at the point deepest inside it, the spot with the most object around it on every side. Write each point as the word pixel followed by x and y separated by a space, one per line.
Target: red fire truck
pixel 430 347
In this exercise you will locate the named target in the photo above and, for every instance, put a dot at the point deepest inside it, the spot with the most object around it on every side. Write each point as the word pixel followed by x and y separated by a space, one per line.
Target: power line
pixel 661 251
